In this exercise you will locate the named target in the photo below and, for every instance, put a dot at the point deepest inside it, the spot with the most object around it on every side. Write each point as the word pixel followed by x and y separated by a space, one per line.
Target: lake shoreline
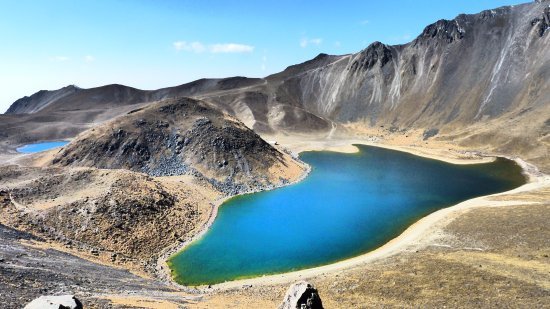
pixel 163 270
pixel 41 146
pixel 421 227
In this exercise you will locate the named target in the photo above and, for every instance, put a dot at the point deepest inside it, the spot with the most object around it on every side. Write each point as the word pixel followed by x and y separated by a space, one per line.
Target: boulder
pixel 302 295
pixel 55 302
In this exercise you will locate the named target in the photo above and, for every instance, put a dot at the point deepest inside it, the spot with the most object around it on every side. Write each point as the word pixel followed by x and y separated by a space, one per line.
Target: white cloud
pixel 59 58
pixel 89 58
pixel 337 44
pixel 364 22
pixel 198 47
pixel 304 42
pixel 231 48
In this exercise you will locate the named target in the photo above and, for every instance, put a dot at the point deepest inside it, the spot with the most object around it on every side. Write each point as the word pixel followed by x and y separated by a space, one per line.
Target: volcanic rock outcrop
pixel 182 136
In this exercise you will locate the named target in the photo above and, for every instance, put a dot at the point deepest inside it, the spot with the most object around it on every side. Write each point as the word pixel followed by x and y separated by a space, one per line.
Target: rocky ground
pixel 28 270
pixel 489 256
pixel 119 217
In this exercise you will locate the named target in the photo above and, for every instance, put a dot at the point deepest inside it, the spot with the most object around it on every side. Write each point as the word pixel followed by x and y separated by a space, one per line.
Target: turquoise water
pixel 348 205
pixel 30 148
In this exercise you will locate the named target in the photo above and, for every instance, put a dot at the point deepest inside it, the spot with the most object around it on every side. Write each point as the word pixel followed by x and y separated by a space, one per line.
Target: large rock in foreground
pixel 302 295
pixel 55 302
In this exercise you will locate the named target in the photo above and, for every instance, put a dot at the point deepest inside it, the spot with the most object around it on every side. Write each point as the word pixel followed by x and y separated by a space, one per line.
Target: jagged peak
pixel 376 45
pixel 443 29
pixel 376 52
pixel 455 29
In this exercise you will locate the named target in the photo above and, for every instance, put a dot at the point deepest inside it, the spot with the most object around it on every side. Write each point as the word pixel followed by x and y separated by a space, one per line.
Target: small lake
pixel 42 146
pixel 350 204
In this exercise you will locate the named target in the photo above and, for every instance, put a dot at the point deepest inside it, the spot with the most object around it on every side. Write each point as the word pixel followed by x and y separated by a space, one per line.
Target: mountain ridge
pixel 455 77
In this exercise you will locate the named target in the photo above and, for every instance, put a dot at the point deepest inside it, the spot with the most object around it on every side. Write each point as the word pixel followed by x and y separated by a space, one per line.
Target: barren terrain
pixel 145 172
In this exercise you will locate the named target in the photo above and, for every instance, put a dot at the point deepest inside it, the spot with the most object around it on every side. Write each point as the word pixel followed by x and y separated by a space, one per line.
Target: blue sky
pixel 153 44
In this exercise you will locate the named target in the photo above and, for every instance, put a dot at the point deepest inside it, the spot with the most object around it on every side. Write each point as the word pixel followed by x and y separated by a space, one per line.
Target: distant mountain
pixel 39 100
pixel 109 96
pixel 480 80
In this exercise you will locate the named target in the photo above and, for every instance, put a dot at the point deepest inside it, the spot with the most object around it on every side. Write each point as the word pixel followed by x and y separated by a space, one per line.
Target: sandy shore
pixel 432 151
pixel 410 238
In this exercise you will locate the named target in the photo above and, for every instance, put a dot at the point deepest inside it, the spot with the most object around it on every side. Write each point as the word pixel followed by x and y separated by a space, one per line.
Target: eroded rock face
pixel 302 295
pixel 55 302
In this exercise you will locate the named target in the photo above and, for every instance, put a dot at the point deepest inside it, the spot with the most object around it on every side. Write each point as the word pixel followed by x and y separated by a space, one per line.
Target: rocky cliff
pixel 469 69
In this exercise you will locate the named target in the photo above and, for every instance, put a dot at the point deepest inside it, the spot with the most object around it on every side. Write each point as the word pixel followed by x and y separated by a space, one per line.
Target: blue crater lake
pixel 42 146
pixel 349 204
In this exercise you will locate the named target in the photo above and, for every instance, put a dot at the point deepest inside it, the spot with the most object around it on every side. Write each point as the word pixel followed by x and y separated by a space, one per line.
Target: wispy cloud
pixel 198 47
pixel 304 42
pixel 59 58
pixel 364 22
pixel 231 48
pixel 89 58
pixel 337 44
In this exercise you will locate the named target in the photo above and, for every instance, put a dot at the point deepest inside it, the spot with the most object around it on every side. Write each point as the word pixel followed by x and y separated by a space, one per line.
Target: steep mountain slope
pixel 480 80
pixel 182 136
pixel 463 70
